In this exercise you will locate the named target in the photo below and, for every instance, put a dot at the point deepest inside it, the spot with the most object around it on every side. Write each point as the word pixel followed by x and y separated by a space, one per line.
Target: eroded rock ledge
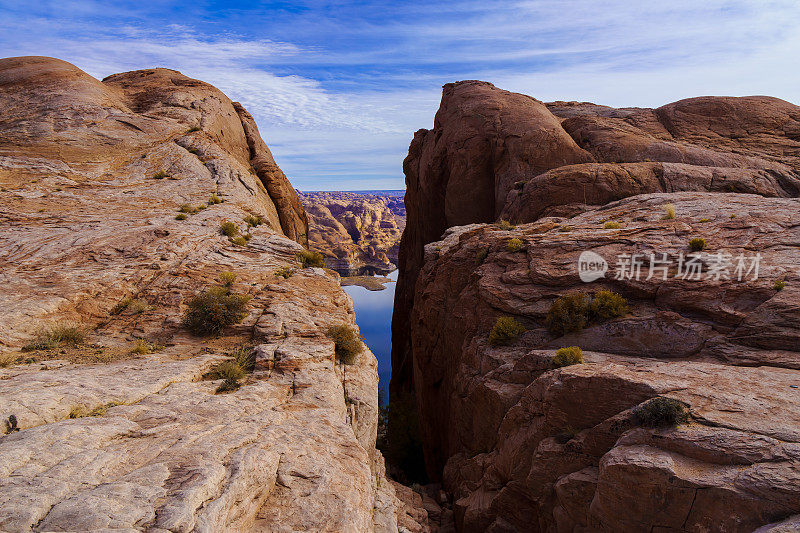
pixel 118 189
pixel 522 446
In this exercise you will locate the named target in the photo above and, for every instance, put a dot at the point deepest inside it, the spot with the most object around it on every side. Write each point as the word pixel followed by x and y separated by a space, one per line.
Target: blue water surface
pixel 374 317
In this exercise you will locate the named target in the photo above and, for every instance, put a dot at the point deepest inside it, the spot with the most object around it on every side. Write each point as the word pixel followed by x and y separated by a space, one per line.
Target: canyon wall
pixel 354 231
pixel 527 187
pixel 114 196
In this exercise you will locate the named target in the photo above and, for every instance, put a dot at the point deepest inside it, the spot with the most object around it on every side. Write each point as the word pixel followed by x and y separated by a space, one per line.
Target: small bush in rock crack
pixel 607 305
pixel 571 355
pixel 214 309
pixel 505 331
pixel 568 313
pixel 660 412
pixel 347 343
pixel 308 259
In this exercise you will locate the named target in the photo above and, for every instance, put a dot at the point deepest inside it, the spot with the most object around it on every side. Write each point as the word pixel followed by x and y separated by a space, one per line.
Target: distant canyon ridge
pixel 356 231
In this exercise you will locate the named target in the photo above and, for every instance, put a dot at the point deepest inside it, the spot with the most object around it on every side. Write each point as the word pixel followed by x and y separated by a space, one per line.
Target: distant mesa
pixel 358 232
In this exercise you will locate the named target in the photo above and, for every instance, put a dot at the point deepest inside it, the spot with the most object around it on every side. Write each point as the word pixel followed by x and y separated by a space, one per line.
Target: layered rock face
pixel 355 230
pixel 105 436
pixel 523 446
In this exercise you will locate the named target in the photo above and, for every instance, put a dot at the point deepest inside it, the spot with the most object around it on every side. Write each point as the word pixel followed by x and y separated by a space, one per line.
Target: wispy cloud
pixel 338 88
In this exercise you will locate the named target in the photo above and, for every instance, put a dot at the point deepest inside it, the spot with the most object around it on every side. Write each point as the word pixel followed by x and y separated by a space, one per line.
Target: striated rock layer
pixel 355 231
pixel 523 446
pixel 105 436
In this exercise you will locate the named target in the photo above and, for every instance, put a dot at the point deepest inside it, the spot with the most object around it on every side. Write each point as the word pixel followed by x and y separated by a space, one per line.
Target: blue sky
pixel 338 88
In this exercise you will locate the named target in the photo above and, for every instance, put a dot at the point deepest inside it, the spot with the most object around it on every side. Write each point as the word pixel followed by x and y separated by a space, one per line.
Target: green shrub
pixel 669 211
pixel 347 343
pixel 227 278
pixel 186 208
pixel 229 229
pixel 160 175
pixel 568 313
pixel 607 305
pixel 142 347
pixel 239 240
pixel 11 425
pixel 214 200
pixel 612 225
pixel 514 245
pixel 505 225
pixel 284 272
pixel 308 259
pixel 660 412
pixel 133 306
pixel 253 220
pixel 705 220
pixel 779 285
pixel 193 129
pixel 181 216
pixel 242 362
pixel 505 331
pixel 565 229
pixel 212 310
pixel 55 337
pixel 481 255
pixel 572 355
pixel 697 244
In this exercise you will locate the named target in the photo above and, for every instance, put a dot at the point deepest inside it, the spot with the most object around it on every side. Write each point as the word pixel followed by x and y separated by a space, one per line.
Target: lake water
pixel 374 317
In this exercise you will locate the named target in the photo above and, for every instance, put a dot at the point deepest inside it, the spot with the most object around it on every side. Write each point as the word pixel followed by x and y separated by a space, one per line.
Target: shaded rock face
pixel 522 446
pixel 355 230
pixel 96 437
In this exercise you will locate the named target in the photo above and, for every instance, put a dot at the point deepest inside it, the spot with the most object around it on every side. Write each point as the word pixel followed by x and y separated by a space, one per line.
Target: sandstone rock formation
pixel 355 231
pixel 93 179
pixel 523 446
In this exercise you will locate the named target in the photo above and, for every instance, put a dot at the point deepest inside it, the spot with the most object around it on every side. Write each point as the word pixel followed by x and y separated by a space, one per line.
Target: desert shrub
pixel 227 278
pixel 505 225
pixel 347 343
pixel 160 175
pixel 200 208
pixel 697 244
pixel 180 216
pixel 229 229
pixel 239 240
pixel 253 220
pixel 779 285
pixel 505 331
pixel 565 229
pixel 11 424
pixel 572 355
pixel 212 310
pixel 214 200
pixel 243 361
pixel 142 347
pixel 612 225
pixel 247 237
pixel 733 215
pixel 284 272
pixel 193 129
pixel 514 245
pixel 308 259
pixel 55 337
pixel 193 151
pixel 669 211
pixel 705 220
pixel 130 305
pixel 8 359
pixel 186 208
pixel 660 412
pixel 607 305
pixel 481 255
pixel 568 313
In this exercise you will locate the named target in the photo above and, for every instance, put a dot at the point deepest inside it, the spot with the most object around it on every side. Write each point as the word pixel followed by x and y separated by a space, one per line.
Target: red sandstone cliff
pixel 521 446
